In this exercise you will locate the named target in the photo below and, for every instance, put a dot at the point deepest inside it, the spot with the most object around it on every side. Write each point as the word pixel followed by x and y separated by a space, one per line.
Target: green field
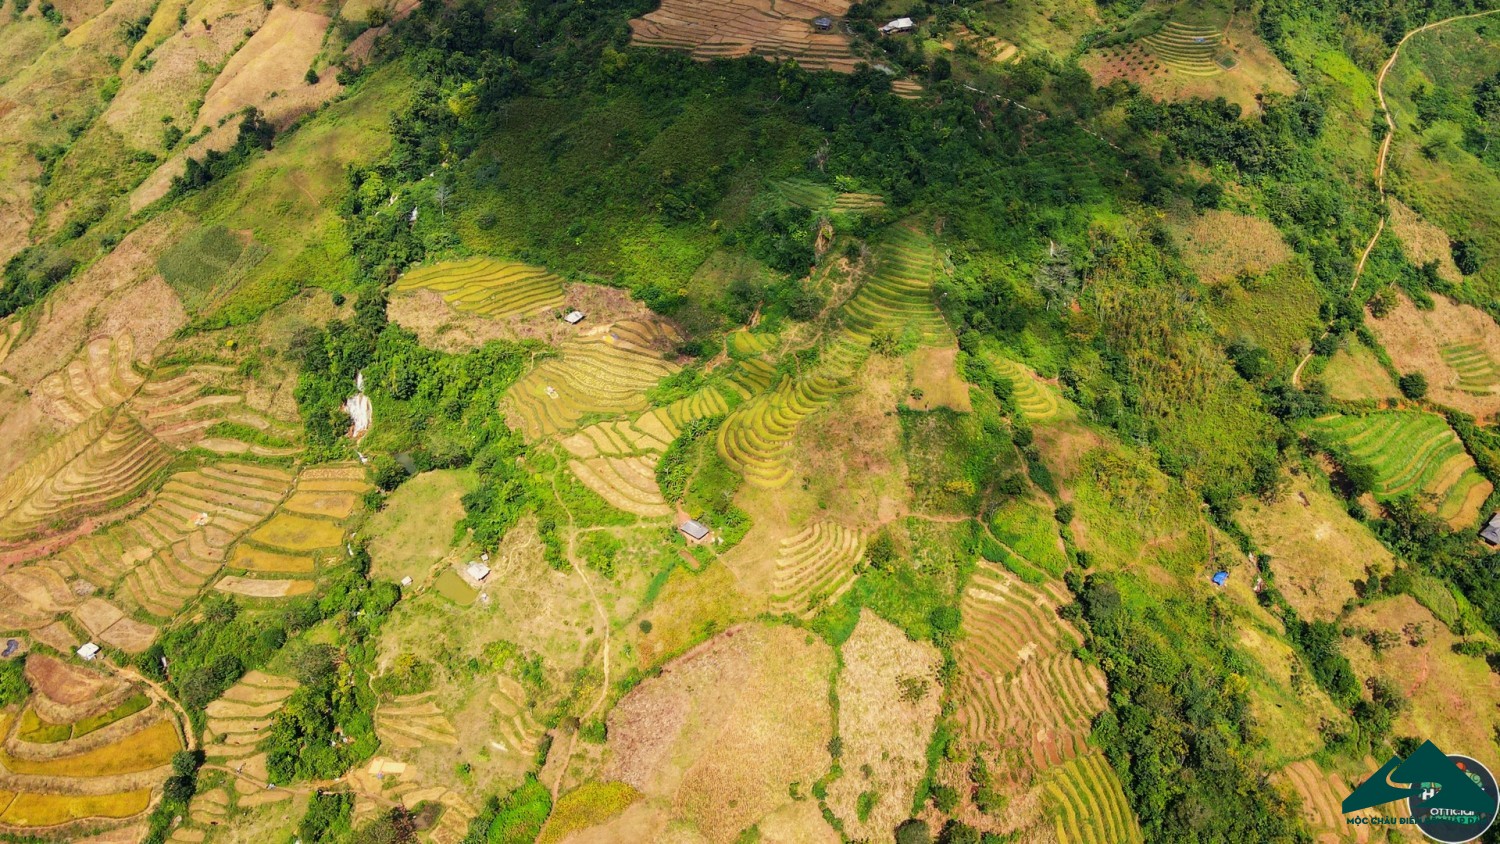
pixel 1411 453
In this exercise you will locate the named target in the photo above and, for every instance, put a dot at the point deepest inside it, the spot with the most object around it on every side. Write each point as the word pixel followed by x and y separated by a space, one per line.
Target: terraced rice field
pixel 1088 804
pixel 239 719
pixel 97 467
pixel 1037 401
pixel 617 459
pixel 751 377
pixel 1477 371
pixel 824 199
pixel 516 727
pixel 1322 795
pixel 307 525
pixel 414 721
pixel 731 29
pixel 815 567
pixel 897 296
pixel 608 372
pixel 488 287
pixel 146 749
pixel 743 344
pixel 109 625
pixel 1021 686
pixel 627 483
pixel 1195 50
pixel 180 404
pixel 756 439
pixel 37 809
pixel 181 540
pixel 101 378
pixel 1413 453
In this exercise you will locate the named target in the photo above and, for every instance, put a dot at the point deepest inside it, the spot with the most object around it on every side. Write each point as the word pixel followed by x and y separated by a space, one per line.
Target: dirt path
pixel 189 738
pixel 1383 157
pixel 562 769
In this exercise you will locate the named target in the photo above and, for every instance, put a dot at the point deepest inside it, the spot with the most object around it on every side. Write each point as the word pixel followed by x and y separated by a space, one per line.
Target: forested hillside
pixel 734 421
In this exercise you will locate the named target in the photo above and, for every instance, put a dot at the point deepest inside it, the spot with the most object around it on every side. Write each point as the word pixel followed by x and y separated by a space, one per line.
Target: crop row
pixel 757 437
pixel 1409 451
pixel 592 375
pixel 101 378
pixel 898 295
pixel 1477 371
pixel 1037 403
pixel 627 483
pixel 1088 804
pixel 488 287
pixel 815 567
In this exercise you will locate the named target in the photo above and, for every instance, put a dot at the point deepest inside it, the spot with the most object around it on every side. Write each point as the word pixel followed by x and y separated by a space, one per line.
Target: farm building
pixel 1491 532
pixel 89 651
pixel 823 24
pixel 898 25
pixel 573 317
pixel 693 529
pixel 477 571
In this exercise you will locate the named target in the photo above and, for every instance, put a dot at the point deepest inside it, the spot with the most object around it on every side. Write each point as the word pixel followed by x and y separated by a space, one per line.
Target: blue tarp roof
pixel 1221 578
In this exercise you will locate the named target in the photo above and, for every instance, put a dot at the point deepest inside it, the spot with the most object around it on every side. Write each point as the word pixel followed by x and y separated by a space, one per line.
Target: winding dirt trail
pixel 1383 157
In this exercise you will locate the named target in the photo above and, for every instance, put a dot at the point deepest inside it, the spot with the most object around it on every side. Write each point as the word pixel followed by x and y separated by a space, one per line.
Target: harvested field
pixel 1321 794
pixel 935 376
pixel 238 719
pixel 1456 346
pixel 414 721
pixel 729 29
pixel 716 739
pixel 815 567
pixel 101 377
pixel 72 688
pixel 1021 686
pixel 889 699
pixel 267 72
pixel 1422 241
pixel 115 459
pixel 1088 804
pixel 1355 374
pixel 606 372
pixel 298 533
pixel 1411 453
pixel 33 728
pixel 1317 550
pixel 497 289
pixel 518 730
pixel 250 587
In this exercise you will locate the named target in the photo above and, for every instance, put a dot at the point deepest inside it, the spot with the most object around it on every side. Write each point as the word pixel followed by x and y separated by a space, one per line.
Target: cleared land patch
pixel 1355 374
pixel 1322 793
pixel 415 528
pixel 889 699
pixel 731 29
pixel 1421 240
pixel 1317 550
pixel 720 734
pixel 414 721
pixel 1413 453
pixel 1205 58
pixel 1456 346
pixel 488 287
pixel 239 719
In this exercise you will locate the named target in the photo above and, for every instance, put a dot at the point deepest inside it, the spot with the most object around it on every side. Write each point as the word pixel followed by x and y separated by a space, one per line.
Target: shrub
pixel 1413 385
pixel 913 831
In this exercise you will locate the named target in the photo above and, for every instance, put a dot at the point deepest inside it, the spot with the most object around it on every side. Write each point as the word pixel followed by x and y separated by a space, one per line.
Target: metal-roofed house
pixel 1491 532
pixel 694 530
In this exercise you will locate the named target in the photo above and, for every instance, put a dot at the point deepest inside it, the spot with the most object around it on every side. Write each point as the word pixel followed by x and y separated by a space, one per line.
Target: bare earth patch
pixel 445 328
pixel 1456 346
pixel 889 699
pixel 718 737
